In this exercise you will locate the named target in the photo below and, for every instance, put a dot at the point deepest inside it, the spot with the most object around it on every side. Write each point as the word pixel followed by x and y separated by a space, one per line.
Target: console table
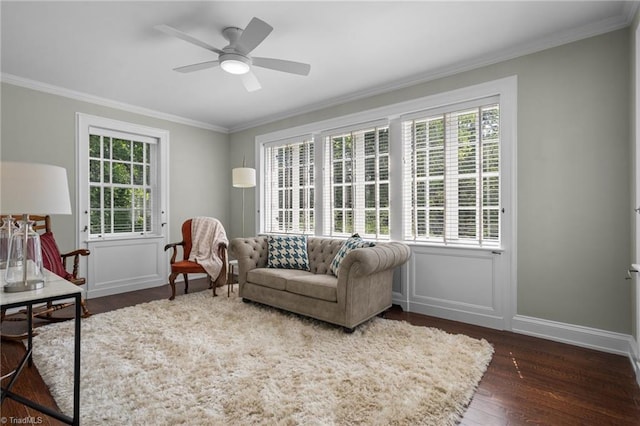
pixel 55 288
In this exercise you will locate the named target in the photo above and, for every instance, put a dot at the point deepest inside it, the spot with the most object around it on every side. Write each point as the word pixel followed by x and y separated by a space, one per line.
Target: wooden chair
pixel 56 262
pixel 186 267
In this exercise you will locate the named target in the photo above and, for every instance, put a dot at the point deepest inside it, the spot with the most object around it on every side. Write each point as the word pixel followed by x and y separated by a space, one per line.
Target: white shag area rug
pixel 219 361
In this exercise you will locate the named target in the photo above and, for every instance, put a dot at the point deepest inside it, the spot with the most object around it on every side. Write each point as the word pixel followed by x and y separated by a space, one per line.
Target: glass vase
pixel 6 230
pixel 24 262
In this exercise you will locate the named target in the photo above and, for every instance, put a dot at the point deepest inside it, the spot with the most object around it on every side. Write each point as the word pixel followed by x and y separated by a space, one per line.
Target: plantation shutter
pixel 356 180
pixel 452 174
pixel 289 186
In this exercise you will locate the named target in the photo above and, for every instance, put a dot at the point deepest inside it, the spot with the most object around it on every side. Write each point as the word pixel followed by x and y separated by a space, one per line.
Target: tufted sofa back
pixel 321 252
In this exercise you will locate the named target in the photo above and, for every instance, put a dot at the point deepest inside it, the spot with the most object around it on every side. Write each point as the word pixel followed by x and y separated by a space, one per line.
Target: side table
pixel 233 264
pixel 55 288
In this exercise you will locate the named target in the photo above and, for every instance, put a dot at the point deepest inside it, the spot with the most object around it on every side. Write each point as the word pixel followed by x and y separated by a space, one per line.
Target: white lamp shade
pixel 244 177
pixel 33 189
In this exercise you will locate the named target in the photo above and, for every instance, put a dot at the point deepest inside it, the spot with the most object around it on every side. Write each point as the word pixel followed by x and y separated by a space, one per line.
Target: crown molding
pixel 555 40
pixel 85 97
pixel 564 37
pixel 630 10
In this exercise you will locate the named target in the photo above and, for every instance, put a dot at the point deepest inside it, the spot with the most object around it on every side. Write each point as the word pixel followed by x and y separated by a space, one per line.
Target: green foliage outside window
pixel 455 194
pixel 120 193
pixel 359 179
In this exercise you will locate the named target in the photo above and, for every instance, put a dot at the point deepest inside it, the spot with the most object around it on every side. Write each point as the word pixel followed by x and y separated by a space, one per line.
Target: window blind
pixel 356 181
pixel 452 175
pixel 289 187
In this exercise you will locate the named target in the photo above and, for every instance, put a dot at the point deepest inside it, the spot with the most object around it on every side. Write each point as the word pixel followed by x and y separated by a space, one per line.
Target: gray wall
pixel 40 127
pixel 573 170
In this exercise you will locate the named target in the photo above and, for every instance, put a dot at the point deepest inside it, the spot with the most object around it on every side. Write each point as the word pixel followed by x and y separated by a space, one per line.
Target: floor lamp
pixel 243 177
pixel 30 188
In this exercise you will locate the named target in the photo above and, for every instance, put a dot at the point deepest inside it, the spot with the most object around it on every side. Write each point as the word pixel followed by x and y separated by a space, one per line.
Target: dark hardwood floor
pixel 529 380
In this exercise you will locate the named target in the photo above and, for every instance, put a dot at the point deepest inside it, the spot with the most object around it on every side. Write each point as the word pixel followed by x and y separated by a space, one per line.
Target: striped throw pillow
pixel 352 243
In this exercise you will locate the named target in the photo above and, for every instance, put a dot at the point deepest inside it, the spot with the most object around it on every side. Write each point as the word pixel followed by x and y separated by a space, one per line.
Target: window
pixel 289 187
pixel 357 182
pixel 437 170
pixel 452 175
pixel 121 179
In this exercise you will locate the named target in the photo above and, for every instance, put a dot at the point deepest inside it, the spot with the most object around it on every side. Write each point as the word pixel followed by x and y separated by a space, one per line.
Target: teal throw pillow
pixel 288 252
pixel 351 244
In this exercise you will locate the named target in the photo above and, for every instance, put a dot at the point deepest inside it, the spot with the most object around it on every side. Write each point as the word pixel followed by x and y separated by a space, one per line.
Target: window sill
pixel 494 250
pixel 124 237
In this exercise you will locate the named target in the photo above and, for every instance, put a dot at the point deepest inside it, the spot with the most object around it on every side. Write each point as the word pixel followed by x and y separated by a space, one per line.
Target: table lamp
pixel 37 189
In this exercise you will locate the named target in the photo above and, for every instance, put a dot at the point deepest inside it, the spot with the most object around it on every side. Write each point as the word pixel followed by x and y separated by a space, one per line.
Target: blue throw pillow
pixel 288 252
pixel 351 244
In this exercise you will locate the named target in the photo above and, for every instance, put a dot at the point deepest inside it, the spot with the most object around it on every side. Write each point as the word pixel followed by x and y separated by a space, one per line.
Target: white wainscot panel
pixel 120 266
pixel 456 284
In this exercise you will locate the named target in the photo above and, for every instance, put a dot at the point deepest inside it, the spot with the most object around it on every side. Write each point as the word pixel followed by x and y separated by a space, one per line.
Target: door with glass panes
pixel 122 194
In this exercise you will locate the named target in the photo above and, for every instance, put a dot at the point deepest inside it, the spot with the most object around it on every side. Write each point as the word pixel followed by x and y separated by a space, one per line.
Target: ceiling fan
pixel 235 58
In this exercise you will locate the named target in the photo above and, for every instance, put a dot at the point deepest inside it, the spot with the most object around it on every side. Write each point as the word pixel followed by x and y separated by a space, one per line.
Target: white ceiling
pixel 110 52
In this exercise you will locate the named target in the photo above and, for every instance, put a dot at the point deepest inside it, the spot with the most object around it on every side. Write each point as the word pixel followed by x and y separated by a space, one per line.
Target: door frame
pixel 636 260
pixel 83 123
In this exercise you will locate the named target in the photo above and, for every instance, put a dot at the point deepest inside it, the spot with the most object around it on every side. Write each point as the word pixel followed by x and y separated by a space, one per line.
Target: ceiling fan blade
pixel 250 82
pixel 197 67
pixel 252 36
pixel 186 37
pixel 282 65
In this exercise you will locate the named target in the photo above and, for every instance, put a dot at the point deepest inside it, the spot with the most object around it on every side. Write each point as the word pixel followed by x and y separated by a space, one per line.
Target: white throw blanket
pixel 207 233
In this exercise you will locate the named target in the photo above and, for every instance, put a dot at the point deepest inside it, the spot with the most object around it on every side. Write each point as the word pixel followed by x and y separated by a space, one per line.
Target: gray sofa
pixel 361 290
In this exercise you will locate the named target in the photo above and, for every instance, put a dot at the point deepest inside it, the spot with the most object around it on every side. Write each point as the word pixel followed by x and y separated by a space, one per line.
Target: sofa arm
pixel 251 253
pixel 370 260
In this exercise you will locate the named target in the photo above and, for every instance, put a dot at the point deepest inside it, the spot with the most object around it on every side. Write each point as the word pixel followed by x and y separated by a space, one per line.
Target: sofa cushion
pixel 288 252
pixel 352 243
pixel 318 286
pixel 274 278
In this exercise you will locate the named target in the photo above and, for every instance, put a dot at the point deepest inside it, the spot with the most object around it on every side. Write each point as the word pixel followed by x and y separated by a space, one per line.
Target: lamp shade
pixel 33 188
pixel 244 177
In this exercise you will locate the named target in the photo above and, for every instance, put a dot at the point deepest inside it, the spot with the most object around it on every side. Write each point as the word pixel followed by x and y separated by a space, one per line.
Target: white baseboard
pixel 91 294
pixel 400 300
pixel 140 286
pixel 586 337
pixel 475 318
pixel 634 358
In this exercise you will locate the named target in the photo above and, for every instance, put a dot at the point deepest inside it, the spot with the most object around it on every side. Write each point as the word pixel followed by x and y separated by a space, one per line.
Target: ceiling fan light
pixel 235 65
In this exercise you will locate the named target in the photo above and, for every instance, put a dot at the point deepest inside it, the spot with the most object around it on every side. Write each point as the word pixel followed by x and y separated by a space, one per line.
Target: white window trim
pixel 505 88
pixel 83 123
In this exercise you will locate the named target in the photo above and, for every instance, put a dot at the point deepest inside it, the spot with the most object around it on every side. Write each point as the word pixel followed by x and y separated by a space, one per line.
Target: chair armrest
pixel 76 259
pixel 78 252
pixel 370 260
pixel 222 253
pixel 175 250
